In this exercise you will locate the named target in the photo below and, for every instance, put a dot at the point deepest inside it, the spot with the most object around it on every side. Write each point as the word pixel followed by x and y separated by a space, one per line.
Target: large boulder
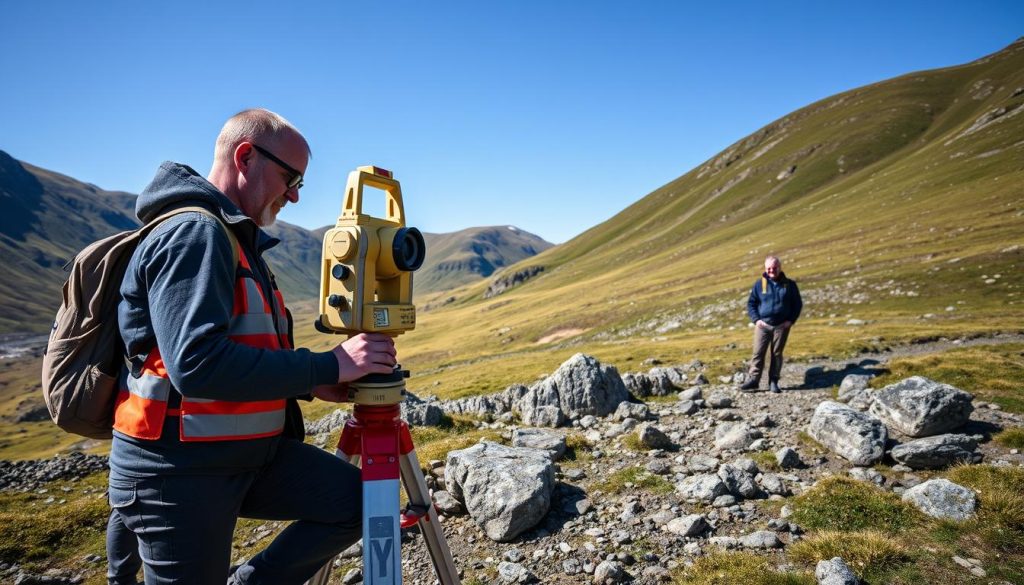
pixel 919 407
pixel 936 452
pixel 856 436
pixel 943 499
pixel 580 386
pixel 854 390
pixel 506 490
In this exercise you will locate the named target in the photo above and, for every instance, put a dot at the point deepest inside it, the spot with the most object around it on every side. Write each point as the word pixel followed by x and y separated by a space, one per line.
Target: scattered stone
pixel 719 399
pixel 515 573
pixel 941 498
pixel 447 504
pixel 936 452
pixel 653 438
pixel 610 573
pixel 704 487
pixel 762 539
pixel 352 576
pixel 634 410
pixel 737 436
pixel 919 407
pixel 788 458
pixel 852 385
pixel 691 525
pixel 835 572
pixel 856 436
pixel 739 482
pixel 506 490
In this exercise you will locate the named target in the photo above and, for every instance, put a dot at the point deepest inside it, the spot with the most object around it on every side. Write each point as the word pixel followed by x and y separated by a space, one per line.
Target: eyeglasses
pixel 295 181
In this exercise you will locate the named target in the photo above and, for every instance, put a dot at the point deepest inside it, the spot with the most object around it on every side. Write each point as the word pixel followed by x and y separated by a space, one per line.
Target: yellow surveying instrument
pixel 366 286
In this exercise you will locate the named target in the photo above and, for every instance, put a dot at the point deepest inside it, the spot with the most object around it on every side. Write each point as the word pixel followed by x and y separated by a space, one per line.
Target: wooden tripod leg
pixel 430 525
pixel 322 576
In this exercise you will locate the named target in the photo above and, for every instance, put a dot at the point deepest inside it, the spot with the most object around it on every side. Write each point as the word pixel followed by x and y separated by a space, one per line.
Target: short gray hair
pixel 772 259
pixel 252 125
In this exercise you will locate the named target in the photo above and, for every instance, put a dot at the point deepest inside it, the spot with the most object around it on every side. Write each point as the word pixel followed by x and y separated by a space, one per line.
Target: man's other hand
pixel 761 324
pixel 331 392
pixel 366 353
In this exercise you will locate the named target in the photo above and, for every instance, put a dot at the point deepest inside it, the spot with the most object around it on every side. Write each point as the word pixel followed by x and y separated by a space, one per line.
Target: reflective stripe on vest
pixel 141 406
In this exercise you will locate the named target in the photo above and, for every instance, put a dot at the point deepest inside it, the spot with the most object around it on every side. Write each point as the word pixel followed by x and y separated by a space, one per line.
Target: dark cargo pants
pixel 766 338
pixel 185 523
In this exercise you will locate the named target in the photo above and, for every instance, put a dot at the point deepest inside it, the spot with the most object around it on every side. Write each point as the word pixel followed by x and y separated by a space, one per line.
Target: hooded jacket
pixel 177 294
pixel 774 301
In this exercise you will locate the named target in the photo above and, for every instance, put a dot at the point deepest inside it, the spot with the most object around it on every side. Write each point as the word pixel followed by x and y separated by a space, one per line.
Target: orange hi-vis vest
pixel 141 407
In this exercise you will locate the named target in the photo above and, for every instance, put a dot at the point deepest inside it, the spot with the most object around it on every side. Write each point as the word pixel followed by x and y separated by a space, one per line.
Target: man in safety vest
pixel 200 433
pixel 773 307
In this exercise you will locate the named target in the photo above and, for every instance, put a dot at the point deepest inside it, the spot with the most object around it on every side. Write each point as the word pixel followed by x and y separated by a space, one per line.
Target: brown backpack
pixel 85 353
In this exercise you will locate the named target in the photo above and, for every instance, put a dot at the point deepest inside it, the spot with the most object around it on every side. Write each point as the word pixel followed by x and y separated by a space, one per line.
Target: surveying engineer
pixel 774 306
pixel 200 433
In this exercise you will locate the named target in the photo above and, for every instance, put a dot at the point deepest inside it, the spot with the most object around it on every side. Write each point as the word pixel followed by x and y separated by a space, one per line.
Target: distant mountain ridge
pixel 46 218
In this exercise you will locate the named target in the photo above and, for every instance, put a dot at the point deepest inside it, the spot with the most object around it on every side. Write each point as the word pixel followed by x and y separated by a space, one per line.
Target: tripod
pixel 377 439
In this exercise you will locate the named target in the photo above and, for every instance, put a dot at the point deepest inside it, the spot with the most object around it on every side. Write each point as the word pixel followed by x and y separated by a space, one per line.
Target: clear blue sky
pixel 551 116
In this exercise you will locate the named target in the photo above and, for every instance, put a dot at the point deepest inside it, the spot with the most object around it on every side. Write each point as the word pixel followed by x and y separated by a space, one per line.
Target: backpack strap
pixel 149 226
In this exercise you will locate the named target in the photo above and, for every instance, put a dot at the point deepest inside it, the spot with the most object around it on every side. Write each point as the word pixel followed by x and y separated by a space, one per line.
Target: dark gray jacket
pixel 177 294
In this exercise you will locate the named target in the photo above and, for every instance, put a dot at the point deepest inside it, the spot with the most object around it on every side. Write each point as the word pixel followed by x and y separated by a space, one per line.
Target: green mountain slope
pixel 45 219
pixel 900 204
pixel 464 257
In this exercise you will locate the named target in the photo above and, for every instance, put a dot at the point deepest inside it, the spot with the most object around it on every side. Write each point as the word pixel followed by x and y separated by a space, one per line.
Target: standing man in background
pixel 200 436
pixel 774 306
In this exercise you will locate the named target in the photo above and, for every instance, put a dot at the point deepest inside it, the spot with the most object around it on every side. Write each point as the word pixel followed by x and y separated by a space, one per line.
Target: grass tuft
pixel 871 554
pixel 637 477
pixel 841 503
pixel 1012 438
pixel 722 568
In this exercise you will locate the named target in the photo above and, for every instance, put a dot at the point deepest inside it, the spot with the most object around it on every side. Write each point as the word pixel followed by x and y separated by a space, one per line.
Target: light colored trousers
pixel 766 338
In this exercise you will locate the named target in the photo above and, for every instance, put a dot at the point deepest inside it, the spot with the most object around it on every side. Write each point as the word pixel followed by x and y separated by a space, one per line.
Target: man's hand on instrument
pixel 365 353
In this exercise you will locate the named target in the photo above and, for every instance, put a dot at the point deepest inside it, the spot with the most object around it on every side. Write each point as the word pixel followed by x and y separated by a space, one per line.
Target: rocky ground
pixel 643 531
pixel 633 500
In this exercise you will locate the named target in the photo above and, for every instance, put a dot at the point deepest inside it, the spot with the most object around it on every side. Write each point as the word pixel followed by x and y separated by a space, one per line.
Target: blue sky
pixel 551 116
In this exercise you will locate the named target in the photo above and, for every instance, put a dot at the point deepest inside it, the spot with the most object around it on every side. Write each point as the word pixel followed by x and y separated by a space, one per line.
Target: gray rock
pixel 506 490
pixel 515 573
pixel 633 410
pixel 352 576
pixel 852 385
pixel 835 572
pixel 919 407
pixel 856 436
pixel 580 386
pixel 687 407
pixel 725 542
pixel 941 498
pixel 735 436
pixel 653 438
pixel 719 399
pixel 704 487
pixel 788 458
pixel 739 482
pixel 867 474
pixel 421 414
pixel 693 393
pixel 447 503
pixel 610 573
pixel 936 452
pixel 724 501
pixel 691 525
pixel 702 463
pixel 665 381
pixel 552 442
pixel 762 539
pixel 773 484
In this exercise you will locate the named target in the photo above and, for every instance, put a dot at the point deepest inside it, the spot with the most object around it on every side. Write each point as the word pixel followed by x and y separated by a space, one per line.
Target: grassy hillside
pixel 464 257
pixel 899 204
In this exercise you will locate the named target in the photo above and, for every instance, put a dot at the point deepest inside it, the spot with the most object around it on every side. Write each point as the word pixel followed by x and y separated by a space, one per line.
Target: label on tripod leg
pixel 381 552
pixel 382 549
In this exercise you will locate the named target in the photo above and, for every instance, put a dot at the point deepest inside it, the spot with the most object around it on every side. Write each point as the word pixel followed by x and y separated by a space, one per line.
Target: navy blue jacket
pixel 774 302
pixel 177 294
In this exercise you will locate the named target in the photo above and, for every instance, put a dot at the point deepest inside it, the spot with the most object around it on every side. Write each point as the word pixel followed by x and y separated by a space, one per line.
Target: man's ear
pixel 243 157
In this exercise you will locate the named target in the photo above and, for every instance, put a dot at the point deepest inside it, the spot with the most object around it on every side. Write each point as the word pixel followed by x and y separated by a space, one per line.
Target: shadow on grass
pixel 818 377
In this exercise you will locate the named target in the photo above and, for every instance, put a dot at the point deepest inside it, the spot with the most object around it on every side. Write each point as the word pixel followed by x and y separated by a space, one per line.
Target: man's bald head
pixel 255 125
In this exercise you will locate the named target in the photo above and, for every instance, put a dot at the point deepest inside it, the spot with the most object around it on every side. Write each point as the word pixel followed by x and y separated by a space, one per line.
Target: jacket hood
pixel 176 185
